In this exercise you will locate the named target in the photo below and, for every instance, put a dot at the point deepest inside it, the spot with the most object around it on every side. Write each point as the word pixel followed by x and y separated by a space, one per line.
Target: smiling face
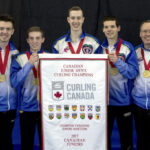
pixel 6 31
pixel 145 33
pixel 110 29
pixel 35 40
pixel 75 20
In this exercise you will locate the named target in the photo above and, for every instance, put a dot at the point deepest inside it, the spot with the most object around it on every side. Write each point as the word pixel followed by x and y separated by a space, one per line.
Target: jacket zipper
pixel 8 98
pixel 146 95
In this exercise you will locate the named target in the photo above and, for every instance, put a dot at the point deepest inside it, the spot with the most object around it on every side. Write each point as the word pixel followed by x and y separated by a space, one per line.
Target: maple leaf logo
pixel 58 90
pixel 57 94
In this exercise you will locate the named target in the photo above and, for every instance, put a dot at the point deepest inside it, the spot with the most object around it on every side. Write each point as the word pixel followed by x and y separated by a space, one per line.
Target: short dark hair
pixel 111 18
pixel 74 8
pixel 145 21
pixel 35 29
pixel 7 18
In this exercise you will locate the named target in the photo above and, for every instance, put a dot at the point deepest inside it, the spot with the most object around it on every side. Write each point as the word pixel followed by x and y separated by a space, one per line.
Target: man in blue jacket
pixel 123 67
pixel 24 78
pixel 8 96
pixel 141 90
pixel 76 41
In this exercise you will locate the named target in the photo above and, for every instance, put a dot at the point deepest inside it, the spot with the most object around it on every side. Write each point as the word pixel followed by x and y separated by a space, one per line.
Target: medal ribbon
pixel 34 69
pixel 79 47
pixel 147 66
pixel 117 52
pixel 3 65
pixel 34 72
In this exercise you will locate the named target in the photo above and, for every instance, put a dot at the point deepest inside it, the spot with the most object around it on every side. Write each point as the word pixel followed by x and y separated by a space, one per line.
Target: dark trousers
pixel 28 122
pixel 123 116
pixel 7 120
pixel 142 125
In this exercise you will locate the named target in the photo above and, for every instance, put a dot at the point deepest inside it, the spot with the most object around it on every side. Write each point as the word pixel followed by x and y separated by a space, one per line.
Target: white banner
pixel 73 92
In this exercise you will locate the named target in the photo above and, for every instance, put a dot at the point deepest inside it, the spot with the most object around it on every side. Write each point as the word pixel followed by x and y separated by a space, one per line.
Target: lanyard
pixel 34 69
pixel 3 65
pixel 147 66
pixel 79 47
pixel 117 52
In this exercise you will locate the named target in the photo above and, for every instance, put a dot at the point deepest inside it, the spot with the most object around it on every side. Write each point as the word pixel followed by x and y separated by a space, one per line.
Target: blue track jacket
pixel 120 85
pixel 91 45
pixel 22 79
pixel 8 95
pixel 141 90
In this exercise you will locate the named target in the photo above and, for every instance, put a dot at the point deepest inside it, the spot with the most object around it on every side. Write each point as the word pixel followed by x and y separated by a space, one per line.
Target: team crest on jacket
pixel 58 90
pixel 122 56
pixel 87 49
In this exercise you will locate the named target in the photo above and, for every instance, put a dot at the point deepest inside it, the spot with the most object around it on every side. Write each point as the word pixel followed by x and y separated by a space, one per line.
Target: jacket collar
pixel 105 43
pixel 68 38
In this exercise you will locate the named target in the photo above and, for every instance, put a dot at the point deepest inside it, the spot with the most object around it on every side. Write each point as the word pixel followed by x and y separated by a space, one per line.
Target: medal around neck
pixel 2 78
pixel 113 71
pixel 146 74
pixel 36 81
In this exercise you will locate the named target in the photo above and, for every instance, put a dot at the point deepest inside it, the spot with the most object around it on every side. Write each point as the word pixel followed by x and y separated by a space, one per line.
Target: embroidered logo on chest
pixel 66 49
pixel 87 49
pixel 122 56
pixel 140 59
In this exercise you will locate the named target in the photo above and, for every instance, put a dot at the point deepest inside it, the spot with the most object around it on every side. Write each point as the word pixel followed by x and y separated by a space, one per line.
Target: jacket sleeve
pixel 128 69
pixel 19 74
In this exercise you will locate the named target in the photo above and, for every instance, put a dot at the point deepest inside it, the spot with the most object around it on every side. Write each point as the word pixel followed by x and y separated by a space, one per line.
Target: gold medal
pixel 38 95
pixel 146 74
pixel 113 71
pixel 36 81
pixel 2 78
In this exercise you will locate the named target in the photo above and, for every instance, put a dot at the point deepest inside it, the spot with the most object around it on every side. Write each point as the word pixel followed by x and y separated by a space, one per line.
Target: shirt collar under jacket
pixel 68 38
pixel 105 43
pixel 40 51
pixel 142 46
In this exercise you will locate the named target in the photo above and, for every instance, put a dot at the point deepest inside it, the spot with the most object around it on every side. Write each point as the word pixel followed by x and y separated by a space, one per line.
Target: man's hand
pixel 33 58
pixel 112 57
